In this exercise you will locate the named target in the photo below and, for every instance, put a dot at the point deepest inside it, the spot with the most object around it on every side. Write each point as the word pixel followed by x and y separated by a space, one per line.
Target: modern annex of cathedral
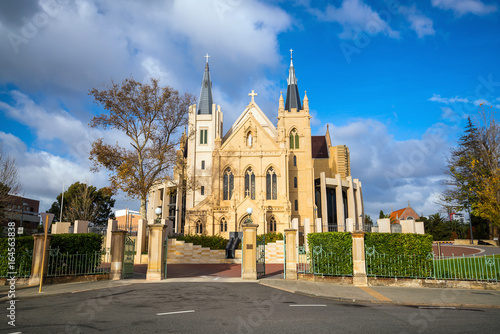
pixel 289 178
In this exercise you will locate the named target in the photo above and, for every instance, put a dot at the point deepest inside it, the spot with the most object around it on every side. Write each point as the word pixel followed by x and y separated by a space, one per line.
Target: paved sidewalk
pixel 432 297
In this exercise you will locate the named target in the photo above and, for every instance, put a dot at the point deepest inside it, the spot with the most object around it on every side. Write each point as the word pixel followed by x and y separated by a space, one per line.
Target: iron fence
pixel 320 261
pixel 60 264
pixel 477 268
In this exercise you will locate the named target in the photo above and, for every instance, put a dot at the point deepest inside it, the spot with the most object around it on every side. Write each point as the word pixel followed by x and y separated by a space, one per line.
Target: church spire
pixel 206 100
pixel 292 92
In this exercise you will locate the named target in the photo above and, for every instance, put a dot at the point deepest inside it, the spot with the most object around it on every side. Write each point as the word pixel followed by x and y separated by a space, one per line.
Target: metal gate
pixel 128 261
pixel 261 258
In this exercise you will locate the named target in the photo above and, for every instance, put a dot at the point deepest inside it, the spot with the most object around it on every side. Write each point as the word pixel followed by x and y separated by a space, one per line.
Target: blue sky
pixel 395 80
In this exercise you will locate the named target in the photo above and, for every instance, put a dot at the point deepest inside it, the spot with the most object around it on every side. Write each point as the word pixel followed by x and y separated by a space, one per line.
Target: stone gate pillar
pixel 249 250
pixel 358 259
pixel 156 254
pixel 112 226
pixel 291 253
pixel 140 243
pixel 37 262
pixel 117 254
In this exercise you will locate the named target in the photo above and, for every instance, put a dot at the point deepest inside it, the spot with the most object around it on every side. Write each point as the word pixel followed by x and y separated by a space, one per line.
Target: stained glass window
pixel 223 225
pixel 294 139
pixel 271 184
pixel 228 184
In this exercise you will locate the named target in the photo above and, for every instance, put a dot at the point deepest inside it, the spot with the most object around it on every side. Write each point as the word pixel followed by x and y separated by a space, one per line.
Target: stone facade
pixel 283 173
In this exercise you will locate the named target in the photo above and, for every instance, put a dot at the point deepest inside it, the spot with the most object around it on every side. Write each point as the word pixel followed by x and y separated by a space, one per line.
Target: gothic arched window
pixel 294 139
pixel 250 183
pixel 272 224
pixel 295 182
pixel 271 184
pixel 199 227
pixel 295 160
pixel 228 184
pixel 296 205
pixel 223 225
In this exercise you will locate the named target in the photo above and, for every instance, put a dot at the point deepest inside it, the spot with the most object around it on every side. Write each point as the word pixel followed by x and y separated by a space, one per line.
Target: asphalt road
pixel 231 308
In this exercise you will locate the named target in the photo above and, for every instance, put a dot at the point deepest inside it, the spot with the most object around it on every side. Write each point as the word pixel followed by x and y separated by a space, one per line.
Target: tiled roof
pixel 319 148
pixel 397 214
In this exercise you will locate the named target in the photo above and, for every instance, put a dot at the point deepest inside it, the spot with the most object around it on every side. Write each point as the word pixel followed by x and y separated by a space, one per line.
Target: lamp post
pixel 249 219
pixel 158 214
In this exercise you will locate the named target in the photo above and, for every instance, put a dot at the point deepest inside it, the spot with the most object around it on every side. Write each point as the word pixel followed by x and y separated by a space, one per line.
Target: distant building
pixel 23 212
pixel 127 220
pixel 404 214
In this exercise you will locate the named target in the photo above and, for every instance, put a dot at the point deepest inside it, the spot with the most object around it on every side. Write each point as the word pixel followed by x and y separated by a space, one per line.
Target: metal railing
pixel 60 264
pixel 477 268
pixel 400 266
pixel 320 261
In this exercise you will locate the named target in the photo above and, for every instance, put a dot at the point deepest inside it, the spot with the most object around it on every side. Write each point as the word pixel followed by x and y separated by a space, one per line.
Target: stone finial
pixel 282 102
pixel 305 103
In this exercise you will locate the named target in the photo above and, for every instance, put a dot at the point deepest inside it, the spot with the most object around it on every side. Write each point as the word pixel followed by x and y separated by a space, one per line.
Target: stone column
pixel 349 222
pixel 156 254
pixel 112 226
pixel 140 242
pixel 319 225
pixel 291 253
pixel 351 203
pixel 324 204
pixel 358 259
pixel 117 254
pixel 340 205
pixel 36 263
pixel 249 250
pixel 359 205
pixel 307 230
pixel 295 225
pixel 81 226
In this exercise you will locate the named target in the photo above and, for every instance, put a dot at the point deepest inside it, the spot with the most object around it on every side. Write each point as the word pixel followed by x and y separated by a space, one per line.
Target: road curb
pixel 379 302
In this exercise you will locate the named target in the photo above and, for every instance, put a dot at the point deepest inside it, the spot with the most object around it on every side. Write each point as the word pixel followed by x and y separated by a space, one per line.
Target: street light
pixel 470 217
pixel 249 219
pixel 158 214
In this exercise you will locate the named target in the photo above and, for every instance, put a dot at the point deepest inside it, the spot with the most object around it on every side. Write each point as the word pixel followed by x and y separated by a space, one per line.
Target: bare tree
pixel 9 180
pixel 150 116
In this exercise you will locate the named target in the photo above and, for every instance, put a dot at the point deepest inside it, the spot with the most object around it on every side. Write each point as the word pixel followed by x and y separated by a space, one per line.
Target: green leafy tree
pixel 382 215
pixel 84 202
pixel 150 116
pixel 436 226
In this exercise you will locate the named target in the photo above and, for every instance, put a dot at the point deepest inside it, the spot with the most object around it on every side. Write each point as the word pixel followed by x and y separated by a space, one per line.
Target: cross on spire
pixel 207 56
pixel 291 53
pixel 252 94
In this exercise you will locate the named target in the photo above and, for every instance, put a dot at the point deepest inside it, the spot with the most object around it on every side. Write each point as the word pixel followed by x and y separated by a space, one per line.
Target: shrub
pixel 80 243
pixel 269 237
pixel 330 253
pixel 212 242
pixel 398 254
pixel 23 256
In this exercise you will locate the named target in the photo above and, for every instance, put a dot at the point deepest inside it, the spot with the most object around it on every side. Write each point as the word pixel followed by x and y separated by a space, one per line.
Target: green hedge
pixel 212 242
pixel 24 253
pixel 330 253
pixel 80 243
pixel 398 254
pixel 269 237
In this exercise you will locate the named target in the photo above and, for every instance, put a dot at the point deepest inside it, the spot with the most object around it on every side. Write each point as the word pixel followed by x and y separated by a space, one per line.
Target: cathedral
pixel 286 176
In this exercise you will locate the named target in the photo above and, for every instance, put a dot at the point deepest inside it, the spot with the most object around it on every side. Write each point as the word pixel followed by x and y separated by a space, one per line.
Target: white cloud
pixel 462 7
pixel 355 16
pixel 422 24
pixel 448 100
pixel 394 171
